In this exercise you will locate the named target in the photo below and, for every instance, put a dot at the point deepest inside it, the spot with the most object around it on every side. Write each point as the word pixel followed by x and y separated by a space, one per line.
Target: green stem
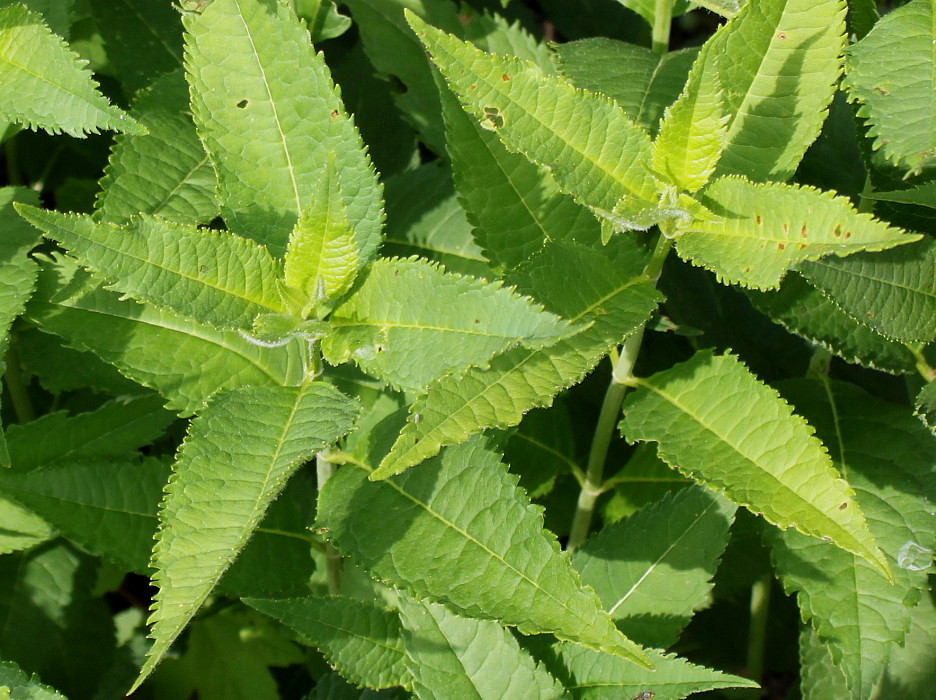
pixel 621 379
pixel 17 388
pixel 757 632
pixel 662 22
pixel 12 162
pixel 923 367
pixel 323 471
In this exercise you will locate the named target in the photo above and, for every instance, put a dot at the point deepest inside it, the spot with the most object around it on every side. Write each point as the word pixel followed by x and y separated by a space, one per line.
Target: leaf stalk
pixel 323 472
pixel 22 405
pixel 662 21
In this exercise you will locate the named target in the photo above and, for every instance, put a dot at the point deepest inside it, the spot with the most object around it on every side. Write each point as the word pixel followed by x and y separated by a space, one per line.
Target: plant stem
pixel 757 632
pixel 621 378
pixel 16 388
pixel 662 22
pixel 323 471
pixel 923 367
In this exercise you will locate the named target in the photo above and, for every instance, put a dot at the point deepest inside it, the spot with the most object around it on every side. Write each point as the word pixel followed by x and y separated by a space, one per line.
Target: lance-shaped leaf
pixel 654 569
pixel 133 337
pixel 778 62
pixel 604 287
pixel 452 656
pixel 890 71
pixel 718 424
pixel 269 114
pixel 19 685
pixel 515 206
pixel 642 81
pixel 407 309
pixel 894 292
pixel 760 231
pixel 116 429
pixel 888 459
pixel 45 84
pixel 166 172
pixel 17 273
pixel 693 130
pixel 802 309
pixel 322 256
pixel 238 454
pixel 360 639
pixel 590 675
pixel 594 151
pixel 486 556
pixel 923 195
pixel 213 277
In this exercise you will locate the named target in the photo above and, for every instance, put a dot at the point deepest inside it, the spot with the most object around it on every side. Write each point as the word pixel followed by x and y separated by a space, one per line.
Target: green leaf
pixel 486 556
pixel 594 151
pixel 718 424
pixel 269 114
pixel 925 405
pixel 424 218
pixel 778 63
pixel 820 677
pixel 605 288
pixel 359 639
pixel 910 675
pixel 322 257
pixel 21 529
pixel 142 39
pixel 17 274
pixel 331 686
pixel 116 429
pixel 923 195
pixel 594 676
pixel 894 292
pixel 45 84
pixel 411 308
pixel 693 131
pixel 760 231
pixel 642 81
pixel 887 457
pixel 654 569
pixel 890 72
pixel 210 276
pixel 515 206
pixel 452 656
pixel 164 173
pixel 323 18
pixel 647 8
pixel 802 309
pixel 20 686
pixel 133 338
pixel 237 456
pixel 541 448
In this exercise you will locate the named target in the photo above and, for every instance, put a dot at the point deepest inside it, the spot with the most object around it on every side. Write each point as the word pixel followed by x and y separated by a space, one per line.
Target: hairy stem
pixel 621 377
pixel 662 21
pixel 757 631
pixel 323 471
pixel 16 388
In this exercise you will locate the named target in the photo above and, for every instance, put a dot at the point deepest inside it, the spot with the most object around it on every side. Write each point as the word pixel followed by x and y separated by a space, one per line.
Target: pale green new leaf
pixel 452 656
pixel 164 173
pixel 408 309
pixel 237 456
pixel 802 309
pixel 20 528
pixel 893 292
pixel 593 150
pixel 17 273
pixel 322 257
pixel 594 676
pixel 778 62
pixel 647 8
pixel 515 205
pixel 890 71
pixel 718 424
pixel 424 218
pixel 486 556
pixel 19 686
pixel 655 568
pixel 269 114
pixel 603 287
pixel 46 85
pixel 133 338
pixel 642 81
pixel 213 277
pixel 887 457
pixel 693 131
pixel 760 231
pixel 360 639
pixel 115 430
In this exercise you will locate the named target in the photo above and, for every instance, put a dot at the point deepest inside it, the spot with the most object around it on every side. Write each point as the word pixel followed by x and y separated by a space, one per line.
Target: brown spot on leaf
pixel 781 246
pixel 243 103
pixel 758 219
pixel 781 36
pixel 843 506
pixel 464 18
pixel 505 77
pixel 334 114
pixel 837 230
pixel 802 231
pixel 882 91
pixel 848 234
pixel 786 228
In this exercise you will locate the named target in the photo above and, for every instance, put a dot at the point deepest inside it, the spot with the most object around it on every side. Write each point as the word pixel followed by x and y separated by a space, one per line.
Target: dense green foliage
pixel 409 348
